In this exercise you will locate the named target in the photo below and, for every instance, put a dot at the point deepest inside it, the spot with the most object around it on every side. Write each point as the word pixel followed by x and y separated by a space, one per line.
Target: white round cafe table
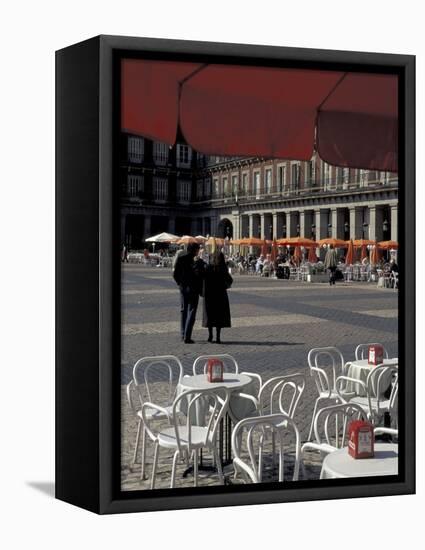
pixel 231 381
pixel 360 369
pixel 340 464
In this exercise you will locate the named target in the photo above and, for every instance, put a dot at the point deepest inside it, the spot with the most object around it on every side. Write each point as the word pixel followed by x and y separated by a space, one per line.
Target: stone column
pixel 236 226
pixel 394 222
pixel 334 222
pixel 356 220
pixel 276 235
pixel 302 224
pixel 251 225
pixel 318 224
pixel 372 223
pixel 262 226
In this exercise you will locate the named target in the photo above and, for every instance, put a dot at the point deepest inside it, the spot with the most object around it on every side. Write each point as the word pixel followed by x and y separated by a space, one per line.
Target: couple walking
pixel 211 280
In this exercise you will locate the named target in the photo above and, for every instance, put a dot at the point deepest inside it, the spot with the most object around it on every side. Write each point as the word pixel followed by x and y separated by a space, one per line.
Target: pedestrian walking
pixel 331 261
pixel 188 274
pixel 217 280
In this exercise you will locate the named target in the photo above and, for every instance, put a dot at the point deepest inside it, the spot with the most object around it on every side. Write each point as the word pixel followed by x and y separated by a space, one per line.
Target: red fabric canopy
pixel 255 111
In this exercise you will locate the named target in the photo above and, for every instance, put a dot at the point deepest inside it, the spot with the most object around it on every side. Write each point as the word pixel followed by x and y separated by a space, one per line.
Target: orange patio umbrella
pixel 252 241
pixel 350 253
pixel 312 257
pixel 375 256
pixel 296 241
pixel 388 245
pixel 186 239
pixel 264 248
pixel 359 243
pixel 337 243
pixel 274 250
pixel 363 254
pixel 215 241
pixel 297 255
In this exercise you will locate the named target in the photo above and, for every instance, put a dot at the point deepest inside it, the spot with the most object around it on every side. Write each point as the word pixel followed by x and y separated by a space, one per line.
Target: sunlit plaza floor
pixel 274 325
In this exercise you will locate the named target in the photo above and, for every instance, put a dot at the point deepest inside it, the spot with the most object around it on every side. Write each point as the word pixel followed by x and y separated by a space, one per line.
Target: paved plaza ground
pixel 274 325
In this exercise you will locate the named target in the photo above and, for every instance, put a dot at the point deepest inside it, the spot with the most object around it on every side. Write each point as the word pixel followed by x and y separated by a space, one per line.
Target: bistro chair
pixel 375 402
pixel 251 462
pixel 361 351
pixel 196 432
pixel 147 372
pixel 330 427
pixel 229 363
pixel 325 364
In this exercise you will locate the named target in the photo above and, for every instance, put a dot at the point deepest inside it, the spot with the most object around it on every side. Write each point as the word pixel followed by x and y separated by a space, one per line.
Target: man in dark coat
pixel 188 274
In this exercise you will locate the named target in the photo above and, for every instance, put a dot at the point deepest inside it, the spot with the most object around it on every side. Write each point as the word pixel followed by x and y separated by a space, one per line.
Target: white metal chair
pixel 374 402
pixel 330 427
pixel 147 372
pixel 199 430
pixel 229 363
pixel 325 364
pixel 256 429
pixel 361 351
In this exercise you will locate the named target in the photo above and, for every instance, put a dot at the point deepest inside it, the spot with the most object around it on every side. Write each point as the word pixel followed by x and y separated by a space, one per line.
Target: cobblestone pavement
pixel 274 325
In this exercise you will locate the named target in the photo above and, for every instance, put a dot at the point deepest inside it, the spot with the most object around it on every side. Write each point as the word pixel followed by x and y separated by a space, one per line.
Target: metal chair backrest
pixel 149 371
pixel 281 394
pixel 202 408
pixel 331 423
pixel 361 351
pixel 326 364
pixel 229 363
pixel 257 430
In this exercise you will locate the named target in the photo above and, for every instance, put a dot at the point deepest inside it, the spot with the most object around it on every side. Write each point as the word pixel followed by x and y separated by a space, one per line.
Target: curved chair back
pixel 331 423
pixel 203 409
pixel 148 371
pixel 361 351
pixel 378 382
pixel 326 364
pixel 281 394
pixel 229 362
pixel 257 430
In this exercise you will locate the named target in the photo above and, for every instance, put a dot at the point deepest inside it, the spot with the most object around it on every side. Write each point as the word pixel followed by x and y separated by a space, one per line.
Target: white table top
pixel 364 364
pixel 231 381
pixel 340 464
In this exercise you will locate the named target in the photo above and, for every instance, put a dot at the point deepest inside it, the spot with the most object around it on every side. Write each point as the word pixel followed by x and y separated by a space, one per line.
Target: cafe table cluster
pixel 243 429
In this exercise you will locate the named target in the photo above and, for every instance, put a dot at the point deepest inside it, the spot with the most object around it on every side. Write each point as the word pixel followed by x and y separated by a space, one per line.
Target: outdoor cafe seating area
pixel 238 427
pixel 296 258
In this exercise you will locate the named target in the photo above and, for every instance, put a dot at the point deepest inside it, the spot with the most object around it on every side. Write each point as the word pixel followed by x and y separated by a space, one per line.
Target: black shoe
pixel 210 339
pixel 189 341
pixel 218 341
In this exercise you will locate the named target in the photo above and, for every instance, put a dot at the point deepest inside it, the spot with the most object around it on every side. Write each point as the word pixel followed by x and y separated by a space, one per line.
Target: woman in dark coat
pixel 216 302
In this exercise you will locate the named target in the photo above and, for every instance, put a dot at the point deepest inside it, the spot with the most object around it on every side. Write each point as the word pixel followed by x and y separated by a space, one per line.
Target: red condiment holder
pixel 215 370
pixel 375 355
pixel 361 439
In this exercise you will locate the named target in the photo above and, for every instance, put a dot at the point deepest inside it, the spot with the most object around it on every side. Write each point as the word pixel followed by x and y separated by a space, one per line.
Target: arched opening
pixel 225 229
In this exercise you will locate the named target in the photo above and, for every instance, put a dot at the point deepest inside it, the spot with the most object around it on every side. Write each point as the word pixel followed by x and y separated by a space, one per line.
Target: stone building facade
pixel 183 192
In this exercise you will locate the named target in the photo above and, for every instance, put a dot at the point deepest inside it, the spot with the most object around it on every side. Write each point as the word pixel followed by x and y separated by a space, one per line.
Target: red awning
pixel 255 111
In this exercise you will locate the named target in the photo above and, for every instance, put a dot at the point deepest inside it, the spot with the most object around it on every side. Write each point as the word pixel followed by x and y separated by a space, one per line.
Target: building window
pixel 160 189
pixel 325 175
pixel 183 190
pixel 235 185
pixel 200 189
pixel 363 177
pixel 134 185
pixel 257 184
pixel 383 178
pixel 245 184
pixel 201 160
pixel 310 173
pixel 226 187
pixel 281 174
pixel 295 175
pixel 135 149
pixel 184 155
pixel 345 177
pixel 207 188
pixel 160 153
pixel 216 187
pixel 268 180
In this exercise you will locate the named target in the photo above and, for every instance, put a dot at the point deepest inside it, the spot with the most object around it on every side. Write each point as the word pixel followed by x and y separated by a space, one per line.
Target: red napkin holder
pixel 361 439
pixel 215 370
pixel 375 355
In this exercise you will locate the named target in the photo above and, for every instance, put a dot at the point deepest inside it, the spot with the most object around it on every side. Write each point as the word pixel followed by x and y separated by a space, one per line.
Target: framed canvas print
pixel 235 274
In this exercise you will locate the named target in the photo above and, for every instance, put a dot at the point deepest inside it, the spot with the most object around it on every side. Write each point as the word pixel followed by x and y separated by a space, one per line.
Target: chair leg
pixel 173 471
pixel 195 467
pixel 142 473
pixel 155 462
pixel 219 466
pixel 312 420
pixel 136 448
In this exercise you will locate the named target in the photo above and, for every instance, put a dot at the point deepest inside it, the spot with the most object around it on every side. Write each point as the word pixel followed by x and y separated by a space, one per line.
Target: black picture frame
pixel 87 276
